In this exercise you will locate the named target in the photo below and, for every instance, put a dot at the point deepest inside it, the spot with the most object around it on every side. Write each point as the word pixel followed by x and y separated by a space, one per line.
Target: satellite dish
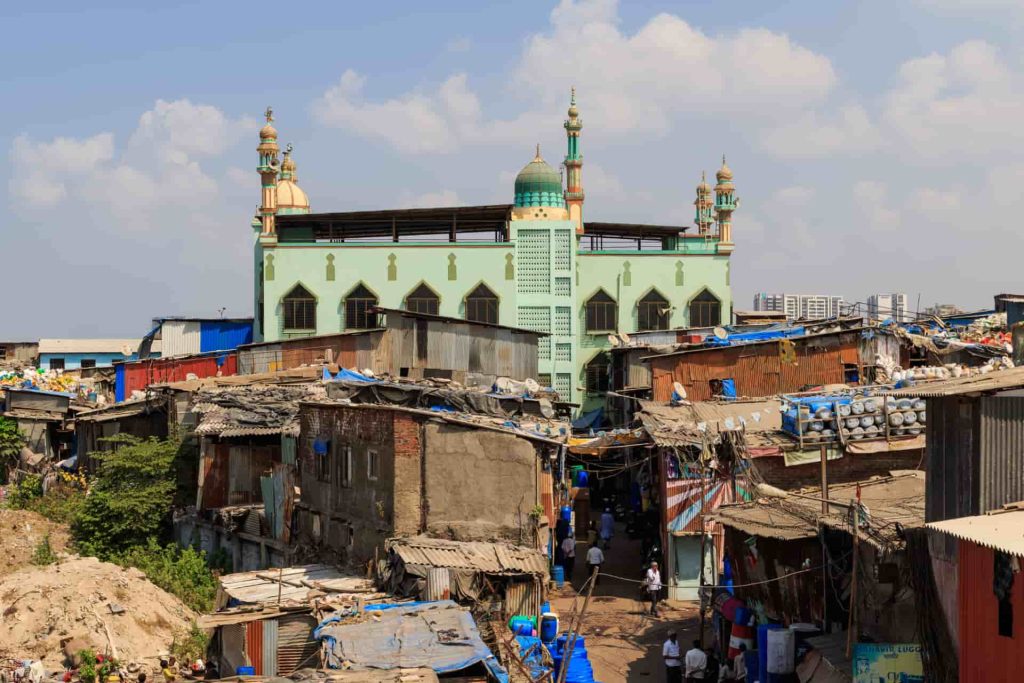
pixel 127 351
pixel 720 333
pixel 613 340
pixel 679 389
pixel 624 337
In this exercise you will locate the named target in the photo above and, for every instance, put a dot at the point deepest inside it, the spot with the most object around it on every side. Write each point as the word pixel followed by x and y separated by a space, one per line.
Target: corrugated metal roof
pixel 491 558
pixel 295 583
pixel 673 425
pixel 998 380
pixel 1000 529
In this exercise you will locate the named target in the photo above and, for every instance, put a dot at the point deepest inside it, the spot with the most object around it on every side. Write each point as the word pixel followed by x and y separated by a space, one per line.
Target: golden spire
pixel 538 157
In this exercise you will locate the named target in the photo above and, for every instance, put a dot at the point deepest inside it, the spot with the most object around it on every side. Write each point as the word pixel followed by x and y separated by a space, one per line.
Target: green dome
pixel 538 184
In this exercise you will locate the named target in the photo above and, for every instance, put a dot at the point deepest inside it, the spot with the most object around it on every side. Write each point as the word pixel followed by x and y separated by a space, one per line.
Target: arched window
pixel 601 313
pixel 358 309
pixel 299 310
pixel 652 312
pixel 423 300
pixel 598 371
pixel 482 305
pixel 705 310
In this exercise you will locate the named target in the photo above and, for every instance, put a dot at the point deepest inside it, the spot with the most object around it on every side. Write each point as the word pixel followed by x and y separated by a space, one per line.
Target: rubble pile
pixel 92 604
pixel 39 379
pixel 21 532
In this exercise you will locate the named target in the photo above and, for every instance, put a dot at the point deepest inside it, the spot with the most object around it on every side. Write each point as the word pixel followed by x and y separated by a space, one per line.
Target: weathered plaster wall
pixel 480 484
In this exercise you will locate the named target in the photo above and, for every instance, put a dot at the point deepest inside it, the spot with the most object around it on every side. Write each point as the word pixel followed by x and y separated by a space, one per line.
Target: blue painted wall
pixel 73 361
pixel 223 335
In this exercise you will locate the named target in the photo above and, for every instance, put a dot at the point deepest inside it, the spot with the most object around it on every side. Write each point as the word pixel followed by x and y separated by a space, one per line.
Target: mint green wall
pixel 372 264
pixel 542 280
pixel 678 276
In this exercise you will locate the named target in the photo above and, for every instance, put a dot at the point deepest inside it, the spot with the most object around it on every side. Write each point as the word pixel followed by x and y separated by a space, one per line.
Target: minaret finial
pixel 269 114
pixel 723 160
pixel 288 148
pixel 537 158
pixel 573 99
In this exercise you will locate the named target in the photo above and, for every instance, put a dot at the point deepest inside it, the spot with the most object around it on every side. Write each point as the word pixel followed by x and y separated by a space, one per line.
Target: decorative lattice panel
pixel 563 385
pixel 544 379
pixel 563 250
pixel 563 321
pixel 563 286
pixel 563 352
pixel 534 318
pixel 534 250
pixel 544 348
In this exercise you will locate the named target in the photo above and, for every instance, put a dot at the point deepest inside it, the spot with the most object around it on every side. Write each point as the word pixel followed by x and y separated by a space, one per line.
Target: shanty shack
pixel 141 418
pixel 379 459
pixel 265 619
pixel 247 474
pixel 434 569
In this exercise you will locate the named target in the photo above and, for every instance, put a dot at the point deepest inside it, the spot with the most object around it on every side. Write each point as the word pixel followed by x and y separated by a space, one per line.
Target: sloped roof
pixel 91 345
pixel 490 558
pixel 678 425
pixel 1000 529
pixel 998 380
pixel 293 582
pixel 255 410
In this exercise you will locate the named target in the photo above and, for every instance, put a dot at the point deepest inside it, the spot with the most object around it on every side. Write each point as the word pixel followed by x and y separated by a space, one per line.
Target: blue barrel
pixel 762 645
pixel 245 671
pixel 558 575
pixel 548 627
pixel 582 479
pixel 545 607
pixel 567 513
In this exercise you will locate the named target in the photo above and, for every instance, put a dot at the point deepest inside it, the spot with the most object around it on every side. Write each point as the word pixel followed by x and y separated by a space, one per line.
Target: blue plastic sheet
pixel 761 335
pixel 348 376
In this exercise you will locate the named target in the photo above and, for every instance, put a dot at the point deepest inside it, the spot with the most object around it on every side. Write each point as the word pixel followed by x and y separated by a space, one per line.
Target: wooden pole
pixel 851 623
pixel 703 536
pixel 570 641
pixel 824 479
pixel 280 584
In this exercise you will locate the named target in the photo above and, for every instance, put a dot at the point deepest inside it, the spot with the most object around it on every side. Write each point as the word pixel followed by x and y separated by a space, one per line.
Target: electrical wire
pixel 735 585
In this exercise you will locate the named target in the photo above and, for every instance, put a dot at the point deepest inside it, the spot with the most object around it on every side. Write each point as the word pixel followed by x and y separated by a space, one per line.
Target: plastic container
pixel 548 627
pixel 762 645
pixel 558 575
pixel 582 479
pixel 741 635
pixel 781 658
pixel 566 513
pixel 245 671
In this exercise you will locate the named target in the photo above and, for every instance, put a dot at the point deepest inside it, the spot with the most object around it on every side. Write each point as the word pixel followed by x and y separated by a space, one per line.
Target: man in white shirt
pixel 673 664
pixel 653 581
pixel 739 665
pixel 595 558
pixel 569 556
pixel 696 661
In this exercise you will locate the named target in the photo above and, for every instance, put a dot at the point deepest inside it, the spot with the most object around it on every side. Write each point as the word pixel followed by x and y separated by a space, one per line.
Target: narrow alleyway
pixel 623 640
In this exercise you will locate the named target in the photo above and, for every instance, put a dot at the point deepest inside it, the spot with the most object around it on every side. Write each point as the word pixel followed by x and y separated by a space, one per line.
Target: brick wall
pixel 846 469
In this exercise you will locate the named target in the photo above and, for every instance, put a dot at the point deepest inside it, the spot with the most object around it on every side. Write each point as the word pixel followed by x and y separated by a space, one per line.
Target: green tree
pixel 130 498
pixel 11 441
pixel 180 571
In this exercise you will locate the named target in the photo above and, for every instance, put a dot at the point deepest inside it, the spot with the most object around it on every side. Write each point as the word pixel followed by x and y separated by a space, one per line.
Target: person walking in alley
pixel 652 583
pixel 739 665
pixel 673 663
pixel 569 556
pixel 607 527
pixel 695 662
pixel 595 558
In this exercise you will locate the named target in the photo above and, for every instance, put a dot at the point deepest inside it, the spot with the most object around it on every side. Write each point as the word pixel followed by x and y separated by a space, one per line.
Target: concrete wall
pixel 480 484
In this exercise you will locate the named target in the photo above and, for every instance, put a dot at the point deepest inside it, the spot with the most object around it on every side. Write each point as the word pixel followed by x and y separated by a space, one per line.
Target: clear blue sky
pixel 877 146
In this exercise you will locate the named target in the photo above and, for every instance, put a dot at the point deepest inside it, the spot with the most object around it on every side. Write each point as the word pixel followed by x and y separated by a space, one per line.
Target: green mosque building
pixel 535 263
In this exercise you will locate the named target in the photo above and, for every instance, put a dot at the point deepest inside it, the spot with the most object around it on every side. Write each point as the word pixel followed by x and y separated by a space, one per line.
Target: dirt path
pixel 623 639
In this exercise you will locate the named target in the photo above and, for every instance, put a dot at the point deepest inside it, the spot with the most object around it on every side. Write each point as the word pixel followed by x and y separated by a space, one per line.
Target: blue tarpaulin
pixel 348 376
pixel 762 335
pixel 438 635
pixel 588 420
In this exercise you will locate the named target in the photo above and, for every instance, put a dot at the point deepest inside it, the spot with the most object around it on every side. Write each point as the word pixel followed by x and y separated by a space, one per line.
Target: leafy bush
pixel 190 645
pixel 87 668
pixel 59 504
pixel 43 554
pixel 11 441
pixel 130 497
pixel 24 493
pixel 183 573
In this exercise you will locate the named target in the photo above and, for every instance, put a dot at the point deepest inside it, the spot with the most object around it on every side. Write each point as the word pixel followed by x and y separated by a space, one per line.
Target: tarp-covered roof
pixel 997 380
pixel 682 425
pixel 490 558
pixel 891 502
pixel 439 635
pixel 254 410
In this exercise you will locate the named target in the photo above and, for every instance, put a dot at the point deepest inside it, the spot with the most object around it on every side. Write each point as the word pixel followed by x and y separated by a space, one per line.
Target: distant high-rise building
pixel 889 306
pixel 808 306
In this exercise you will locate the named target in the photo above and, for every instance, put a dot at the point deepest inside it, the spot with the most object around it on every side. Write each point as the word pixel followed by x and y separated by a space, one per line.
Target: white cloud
pixel 629 82
pixel 967 103
pixel 847 131
pixel 461 44
pixel 872 199
pixel 794 196
pixel 429 200
pixel 154 172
